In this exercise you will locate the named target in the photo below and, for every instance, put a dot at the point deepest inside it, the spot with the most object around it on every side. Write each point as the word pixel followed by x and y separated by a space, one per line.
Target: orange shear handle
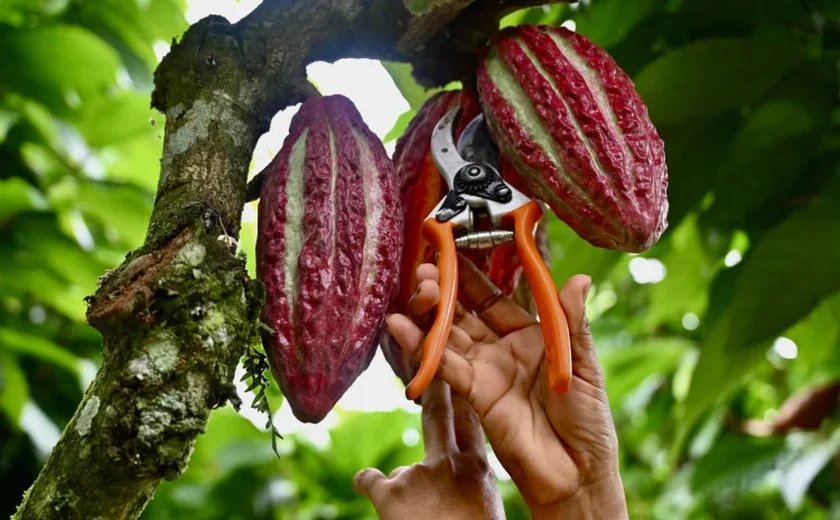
pixel 555 325
pixel 440 235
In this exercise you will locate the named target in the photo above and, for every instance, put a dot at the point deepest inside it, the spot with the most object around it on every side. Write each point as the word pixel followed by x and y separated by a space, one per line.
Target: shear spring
pixel 484 239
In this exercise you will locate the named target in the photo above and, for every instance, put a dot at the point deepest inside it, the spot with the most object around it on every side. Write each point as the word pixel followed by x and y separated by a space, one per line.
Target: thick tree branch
pixel 177 315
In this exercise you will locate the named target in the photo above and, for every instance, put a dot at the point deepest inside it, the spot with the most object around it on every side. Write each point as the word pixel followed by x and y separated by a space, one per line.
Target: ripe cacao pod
pixel 571 122
pixel 328 251
pixel 421 188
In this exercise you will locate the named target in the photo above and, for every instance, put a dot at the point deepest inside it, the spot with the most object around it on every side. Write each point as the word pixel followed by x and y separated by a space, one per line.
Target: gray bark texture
pixel 180 311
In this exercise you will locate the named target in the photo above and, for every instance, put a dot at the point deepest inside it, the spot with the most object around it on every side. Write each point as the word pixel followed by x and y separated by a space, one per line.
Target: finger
pixel 427 272
pixel 370 483
pixel 405 332
pixel 428 295
pixel 468 432
pixel 411 338
pixel 453 368
pixel 584 358
pixel 457 372
pixel 476 329
pixel 424 299
pixel 396 472
pixel 438 430
pixel 459 340
pixel 499 312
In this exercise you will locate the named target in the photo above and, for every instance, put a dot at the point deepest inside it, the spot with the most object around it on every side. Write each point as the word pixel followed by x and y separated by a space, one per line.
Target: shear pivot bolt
pixel 473 173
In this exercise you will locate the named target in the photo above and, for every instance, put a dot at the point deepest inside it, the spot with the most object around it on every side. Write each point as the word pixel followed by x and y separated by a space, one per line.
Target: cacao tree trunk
pixel 179 312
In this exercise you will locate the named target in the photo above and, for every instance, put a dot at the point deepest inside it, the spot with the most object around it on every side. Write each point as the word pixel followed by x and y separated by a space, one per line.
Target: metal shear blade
pixel 444 150
pixel 476 144
pixel 474 180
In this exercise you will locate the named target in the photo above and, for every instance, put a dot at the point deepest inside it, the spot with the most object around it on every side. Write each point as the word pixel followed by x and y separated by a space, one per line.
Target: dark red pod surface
pixel 328 250
pixel 572 124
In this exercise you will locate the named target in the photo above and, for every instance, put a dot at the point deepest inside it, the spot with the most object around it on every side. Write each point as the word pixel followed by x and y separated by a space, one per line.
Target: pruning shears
pixel 479 196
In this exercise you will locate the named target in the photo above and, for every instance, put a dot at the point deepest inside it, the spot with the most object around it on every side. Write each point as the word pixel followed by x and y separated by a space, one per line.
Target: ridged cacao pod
pixel 421 188
pixel 571 122
pixel 328 251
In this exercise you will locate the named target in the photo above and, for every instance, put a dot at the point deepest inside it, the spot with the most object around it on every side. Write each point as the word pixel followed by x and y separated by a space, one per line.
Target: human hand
pixel 454 481
pixel 560 450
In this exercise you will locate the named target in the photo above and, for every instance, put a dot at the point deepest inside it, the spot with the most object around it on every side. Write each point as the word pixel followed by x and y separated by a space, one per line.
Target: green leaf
pixel 8 119
pixel 120 131
pixel 113 119
pixel 14 390
pixel 136 161
pixel 124 209
pixel 817 337
pixel 689 272
pixel 358 449
pixel 55 251
pixel 41 125
pixel 709 77
pixel 735 460
pixel 67 58
pixel 216 451
pixel 775 145
pixel 248 239
pixel 781 279
pixel 17 196
pixel 626 368
pixel 644 43
pixel 415 6
pixel 18 342
pixel 741 17
pixel 607 22
pixel 571 255
pixel 25 279
pixel 404 81
pixel 694 152
pixel 399 127
pixel 44 264
pixel 132 28
pixel 18 12
pixel 549 14
pixel 805 464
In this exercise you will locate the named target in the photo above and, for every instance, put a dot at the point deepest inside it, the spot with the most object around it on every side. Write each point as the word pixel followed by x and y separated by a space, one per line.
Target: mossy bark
pixel 178 314
pixel 174 324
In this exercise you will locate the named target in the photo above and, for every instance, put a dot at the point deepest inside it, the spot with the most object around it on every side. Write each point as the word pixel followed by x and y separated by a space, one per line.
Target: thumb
pixel 584 358
pixel 370 483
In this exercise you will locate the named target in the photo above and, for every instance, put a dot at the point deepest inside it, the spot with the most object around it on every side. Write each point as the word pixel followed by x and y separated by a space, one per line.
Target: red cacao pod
pixel 328 251
pixel 421 188
pixel 571 122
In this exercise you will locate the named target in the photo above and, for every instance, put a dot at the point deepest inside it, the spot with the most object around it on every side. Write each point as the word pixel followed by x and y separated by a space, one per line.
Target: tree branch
pixel 804 410
pixel 177 315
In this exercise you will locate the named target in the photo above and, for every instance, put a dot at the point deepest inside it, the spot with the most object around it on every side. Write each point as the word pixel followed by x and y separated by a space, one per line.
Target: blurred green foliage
pixel 745 95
